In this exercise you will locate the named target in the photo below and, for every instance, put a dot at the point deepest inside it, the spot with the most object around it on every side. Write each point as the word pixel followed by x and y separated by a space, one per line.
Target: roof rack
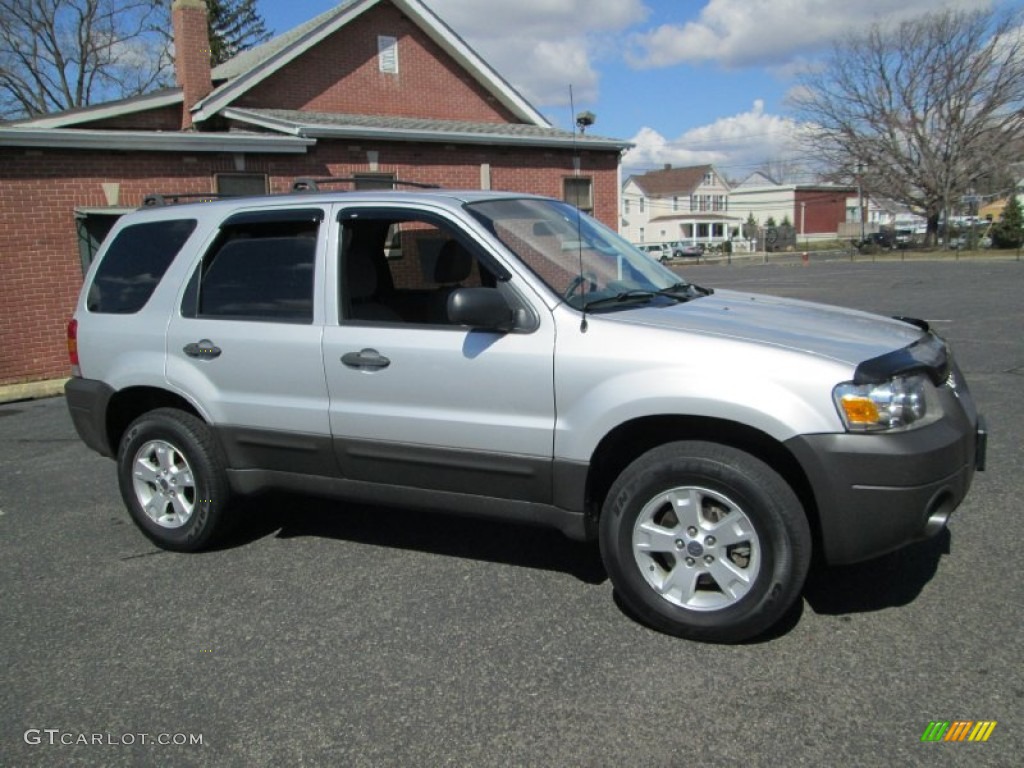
pixel 157 200
pixel 309 184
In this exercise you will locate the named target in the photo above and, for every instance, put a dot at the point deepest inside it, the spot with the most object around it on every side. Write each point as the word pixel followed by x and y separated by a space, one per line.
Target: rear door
pixel 245 343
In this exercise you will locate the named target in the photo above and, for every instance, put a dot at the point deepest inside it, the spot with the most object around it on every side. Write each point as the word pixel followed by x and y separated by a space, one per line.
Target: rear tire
pixel 172 479
pixel 705 541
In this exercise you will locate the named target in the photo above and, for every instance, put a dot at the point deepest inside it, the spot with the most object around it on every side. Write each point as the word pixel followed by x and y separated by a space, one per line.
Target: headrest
pixel 454 263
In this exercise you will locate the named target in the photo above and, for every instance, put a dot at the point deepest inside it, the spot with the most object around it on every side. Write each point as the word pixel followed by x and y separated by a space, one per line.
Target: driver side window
pixel 401 267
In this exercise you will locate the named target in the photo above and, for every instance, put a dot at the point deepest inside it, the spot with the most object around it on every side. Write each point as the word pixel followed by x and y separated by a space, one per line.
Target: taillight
pixel 73 347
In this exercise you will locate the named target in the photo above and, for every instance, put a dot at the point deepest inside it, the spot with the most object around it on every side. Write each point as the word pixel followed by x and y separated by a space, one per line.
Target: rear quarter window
pixel 134 263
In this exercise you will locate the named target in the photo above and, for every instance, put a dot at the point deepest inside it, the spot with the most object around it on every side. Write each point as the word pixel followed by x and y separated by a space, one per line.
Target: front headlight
pixel 897 403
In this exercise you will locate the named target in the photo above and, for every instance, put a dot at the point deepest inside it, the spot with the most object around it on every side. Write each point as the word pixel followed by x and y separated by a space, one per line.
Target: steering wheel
pixel 577 283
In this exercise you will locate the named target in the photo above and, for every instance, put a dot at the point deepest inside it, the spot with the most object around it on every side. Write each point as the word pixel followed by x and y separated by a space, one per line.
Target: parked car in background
pixel 686 250
pixel 883 239
pixel 904 238
pixel 658 251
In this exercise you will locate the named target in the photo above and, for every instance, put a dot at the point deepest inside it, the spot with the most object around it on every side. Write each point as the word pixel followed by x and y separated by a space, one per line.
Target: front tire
pixel 171 474
pixel 705 541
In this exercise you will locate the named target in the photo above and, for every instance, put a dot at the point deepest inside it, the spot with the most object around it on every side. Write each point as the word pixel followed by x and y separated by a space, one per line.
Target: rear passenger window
pixel 259 268
pixel 134 263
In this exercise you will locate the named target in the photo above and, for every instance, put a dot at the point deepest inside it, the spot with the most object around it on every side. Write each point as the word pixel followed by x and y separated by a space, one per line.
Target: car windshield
pixel 579 259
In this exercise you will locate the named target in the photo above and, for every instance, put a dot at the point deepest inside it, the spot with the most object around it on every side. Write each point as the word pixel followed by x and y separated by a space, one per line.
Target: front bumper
pixel 878 492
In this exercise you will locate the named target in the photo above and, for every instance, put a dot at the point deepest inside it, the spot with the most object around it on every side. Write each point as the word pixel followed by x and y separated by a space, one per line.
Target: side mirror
pixel 482 309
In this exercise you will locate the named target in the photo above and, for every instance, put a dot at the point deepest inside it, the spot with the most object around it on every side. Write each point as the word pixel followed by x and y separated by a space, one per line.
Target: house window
pixel 374 180
pixel 641 234
pixel 579 192
pixel 625 207
pixel 240 184
pixel 641 205
pixel 387 54
pixel 675 203
pixel 709 178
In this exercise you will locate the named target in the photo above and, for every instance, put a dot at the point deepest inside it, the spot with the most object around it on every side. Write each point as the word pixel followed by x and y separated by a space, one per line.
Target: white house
pixel 689 204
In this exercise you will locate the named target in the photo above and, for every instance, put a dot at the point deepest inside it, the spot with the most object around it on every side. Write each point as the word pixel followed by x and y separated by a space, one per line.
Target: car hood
pixel 844 335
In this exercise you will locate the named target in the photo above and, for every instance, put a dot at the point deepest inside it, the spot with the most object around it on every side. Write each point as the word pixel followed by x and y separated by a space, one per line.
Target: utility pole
pixel 860 200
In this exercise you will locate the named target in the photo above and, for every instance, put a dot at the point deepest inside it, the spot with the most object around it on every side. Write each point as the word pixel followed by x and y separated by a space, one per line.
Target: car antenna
pixel 579 218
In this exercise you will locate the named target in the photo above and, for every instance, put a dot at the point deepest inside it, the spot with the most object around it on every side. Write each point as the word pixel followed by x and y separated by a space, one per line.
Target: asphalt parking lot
pixel 378 637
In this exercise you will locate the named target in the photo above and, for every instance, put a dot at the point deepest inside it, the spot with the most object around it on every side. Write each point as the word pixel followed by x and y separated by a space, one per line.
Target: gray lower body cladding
pixel 876 493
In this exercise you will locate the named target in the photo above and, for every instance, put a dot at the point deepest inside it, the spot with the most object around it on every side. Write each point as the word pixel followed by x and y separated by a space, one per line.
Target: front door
pixel 415 400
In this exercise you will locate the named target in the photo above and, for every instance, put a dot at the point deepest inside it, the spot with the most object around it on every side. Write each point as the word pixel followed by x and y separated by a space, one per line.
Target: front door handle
pixel 204 349
pixel 366 359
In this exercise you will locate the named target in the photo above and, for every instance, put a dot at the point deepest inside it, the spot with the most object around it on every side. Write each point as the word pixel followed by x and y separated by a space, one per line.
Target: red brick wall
pixel 341 74
pixel 40 267
pixel 825 209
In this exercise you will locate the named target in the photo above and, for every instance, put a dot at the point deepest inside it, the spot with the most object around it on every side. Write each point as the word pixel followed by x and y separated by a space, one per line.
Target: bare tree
pixel 61 54
pixel 918 113
pixel 783 170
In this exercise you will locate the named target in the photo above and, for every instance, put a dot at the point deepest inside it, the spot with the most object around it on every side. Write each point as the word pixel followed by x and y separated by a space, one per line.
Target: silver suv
pixel 503 355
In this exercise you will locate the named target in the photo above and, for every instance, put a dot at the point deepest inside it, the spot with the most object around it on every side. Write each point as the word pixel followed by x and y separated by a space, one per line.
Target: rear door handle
pixel 204 349
pixel 366 359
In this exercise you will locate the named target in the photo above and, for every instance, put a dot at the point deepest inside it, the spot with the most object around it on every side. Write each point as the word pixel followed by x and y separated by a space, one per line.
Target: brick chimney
pixel 191 53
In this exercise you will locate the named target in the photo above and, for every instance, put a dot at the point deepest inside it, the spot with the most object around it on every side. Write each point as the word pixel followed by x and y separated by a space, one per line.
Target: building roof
pixel 334 125
pixel 246 70
pixel 671 181
pixel 249 68
pixel 301 129
pixel 162 98
pixel 153 141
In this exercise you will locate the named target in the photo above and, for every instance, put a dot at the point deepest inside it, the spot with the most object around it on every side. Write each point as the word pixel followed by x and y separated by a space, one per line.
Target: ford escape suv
pixel 499 354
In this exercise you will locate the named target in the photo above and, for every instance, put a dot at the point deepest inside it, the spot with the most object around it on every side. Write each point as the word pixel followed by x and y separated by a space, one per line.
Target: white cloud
pixel 736 145
pixel 738 33
pixel 543 46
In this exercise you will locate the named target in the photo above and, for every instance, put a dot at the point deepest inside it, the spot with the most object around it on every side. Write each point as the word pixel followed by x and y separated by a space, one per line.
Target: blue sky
pixel 689 81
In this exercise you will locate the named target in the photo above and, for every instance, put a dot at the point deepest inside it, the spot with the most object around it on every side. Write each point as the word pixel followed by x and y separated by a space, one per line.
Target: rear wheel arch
pixel 128 404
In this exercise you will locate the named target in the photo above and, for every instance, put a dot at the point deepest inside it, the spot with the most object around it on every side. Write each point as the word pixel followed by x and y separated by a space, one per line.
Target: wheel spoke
pixel 730 578
pixel 680 583
pixel 686 505
pixel 157 506
pixel 165 456
pixel 182 509
pixel 650 537
pixel 734 528
pixel 145 471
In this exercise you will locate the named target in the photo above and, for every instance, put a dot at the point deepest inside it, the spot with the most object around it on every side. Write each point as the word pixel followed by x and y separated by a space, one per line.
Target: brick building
pixel 375 89
pixel 816 211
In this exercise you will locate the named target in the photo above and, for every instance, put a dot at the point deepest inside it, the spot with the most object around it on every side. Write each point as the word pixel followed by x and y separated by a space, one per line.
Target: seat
pixel 361 288
pixel 453 267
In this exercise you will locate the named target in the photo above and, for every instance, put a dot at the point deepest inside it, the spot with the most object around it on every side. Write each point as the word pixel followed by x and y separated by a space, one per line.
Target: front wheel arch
pixel 630 440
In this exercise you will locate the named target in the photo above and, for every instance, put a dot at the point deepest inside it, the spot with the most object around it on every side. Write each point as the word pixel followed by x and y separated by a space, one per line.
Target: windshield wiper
pixel 620 298
pixel 685 291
